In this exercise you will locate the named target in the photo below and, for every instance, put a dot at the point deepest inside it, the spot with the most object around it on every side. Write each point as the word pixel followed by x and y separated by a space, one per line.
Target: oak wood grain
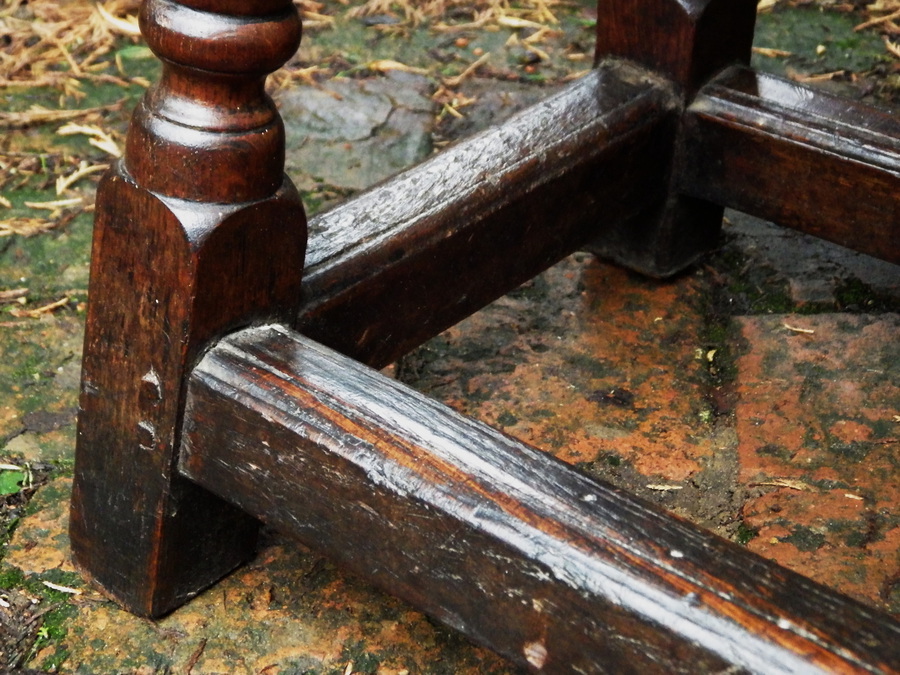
pixel 687 42
pixel 182 253
pixel 493 537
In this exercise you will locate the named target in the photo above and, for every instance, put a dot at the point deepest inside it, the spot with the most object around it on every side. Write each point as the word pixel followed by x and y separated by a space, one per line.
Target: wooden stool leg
pixel 185 232
pixel 688 41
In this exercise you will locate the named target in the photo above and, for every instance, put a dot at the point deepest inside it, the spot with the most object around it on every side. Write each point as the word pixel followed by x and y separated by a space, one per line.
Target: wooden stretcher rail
pixel 493 537
pixel 821 164
pixel 409 258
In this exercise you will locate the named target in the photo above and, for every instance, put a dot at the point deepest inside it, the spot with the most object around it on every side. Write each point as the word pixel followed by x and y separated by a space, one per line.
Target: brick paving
pixel 818 427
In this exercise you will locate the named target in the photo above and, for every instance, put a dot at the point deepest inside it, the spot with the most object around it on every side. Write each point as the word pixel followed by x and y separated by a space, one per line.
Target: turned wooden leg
pixel 687 41
pixel 185 230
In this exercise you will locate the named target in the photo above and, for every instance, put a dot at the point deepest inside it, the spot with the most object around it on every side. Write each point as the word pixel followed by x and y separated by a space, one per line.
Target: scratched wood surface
pixel 493 537
pixel 199 233
pixel 825 165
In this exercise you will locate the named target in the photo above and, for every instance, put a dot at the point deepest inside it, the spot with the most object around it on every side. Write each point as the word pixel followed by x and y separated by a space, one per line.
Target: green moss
pixel 803 30
pixel 854 451
pixel 743 286
pixel 53 662
pixel 745 534
pixel 853 295
pixel 507 419
pixel 856 538
pixel 805 539
pixel 828 484
pixel 774 450
pixel 49 265
pixel 882 428
pixel 11 577
pixel 593 367
pixel 51 630
pixel 719 336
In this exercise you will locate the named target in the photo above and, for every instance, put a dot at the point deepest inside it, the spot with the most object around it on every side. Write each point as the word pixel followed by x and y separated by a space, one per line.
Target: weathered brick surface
pixel 588 362
pixel 818 431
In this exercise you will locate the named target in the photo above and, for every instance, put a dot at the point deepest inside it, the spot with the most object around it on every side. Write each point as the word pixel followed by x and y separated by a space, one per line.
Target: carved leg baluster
pixel 197 232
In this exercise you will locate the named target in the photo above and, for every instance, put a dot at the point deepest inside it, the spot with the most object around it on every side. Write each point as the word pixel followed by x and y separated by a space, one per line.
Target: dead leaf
pixel 96 137
pixel 61 589
pixel 786 483
pixel 387 65
pixel 13 295
pixel 514 22
pixel 877 20
pixel 795 329
pixel 458 79
pixel 126 26
pixel 25 227
pixel 771 53
pixel 55 205
pixel 39 115
pixel 38 311
pixel 63 183
pixel 891 47
pixel 821 77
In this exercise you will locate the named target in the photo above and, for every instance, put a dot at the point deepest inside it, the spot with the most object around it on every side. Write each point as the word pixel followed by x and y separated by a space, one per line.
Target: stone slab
pixel 816 276
pixel 350 134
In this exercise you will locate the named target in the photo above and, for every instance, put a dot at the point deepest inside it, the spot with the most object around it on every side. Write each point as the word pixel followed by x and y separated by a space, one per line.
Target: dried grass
pixel 26 227
pixel 49 43
pixel 39 115
pixel 482 12
pixel 58 43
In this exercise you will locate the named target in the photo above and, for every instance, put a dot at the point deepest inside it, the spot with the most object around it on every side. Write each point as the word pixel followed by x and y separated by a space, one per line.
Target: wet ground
pixel 757 394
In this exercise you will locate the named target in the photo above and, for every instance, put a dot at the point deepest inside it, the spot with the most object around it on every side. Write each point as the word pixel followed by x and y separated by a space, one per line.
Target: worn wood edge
pixel 363 434
pixel 562 162
pixel 798 130
pixel 687 40
pixel 848 128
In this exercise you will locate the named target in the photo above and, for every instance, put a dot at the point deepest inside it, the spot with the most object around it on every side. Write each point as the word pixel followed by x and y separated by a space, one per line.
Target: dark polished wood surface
pixel 180 257
pixel 802 158
pixel 493 537
pixel 199 233
pixel 685 41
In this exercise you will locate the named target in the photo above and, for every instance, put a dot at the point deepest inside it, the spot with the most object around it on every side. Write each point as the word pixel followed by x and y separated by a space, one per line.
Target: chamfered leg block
pixel 687 41
pixel 184 250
